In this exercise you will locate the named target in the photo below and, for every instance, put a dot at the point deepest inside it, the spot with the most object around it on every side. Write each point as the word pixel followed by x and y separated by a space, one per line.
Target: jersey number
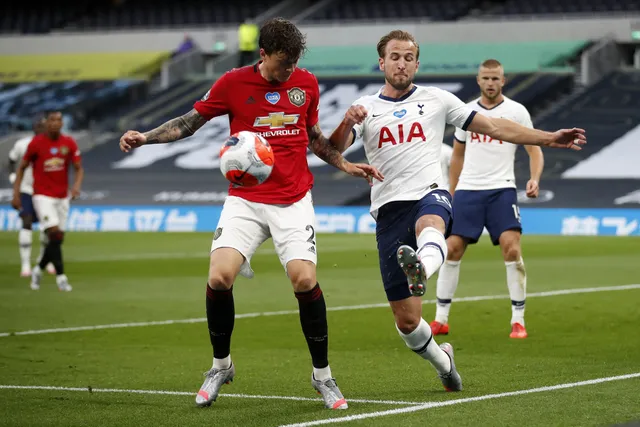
pixel 441 199
pixel 311 238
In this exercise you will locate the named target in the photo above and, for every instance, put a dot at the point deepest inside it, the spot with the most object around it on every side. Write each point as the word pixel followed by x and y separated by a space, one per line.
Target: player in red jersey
pixel 280 102
pixel 51 154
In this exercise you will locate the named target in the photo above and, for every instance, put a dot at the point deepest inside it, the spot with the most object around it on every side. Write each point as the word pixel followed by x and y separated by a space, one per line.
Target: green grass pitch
pixel 574 336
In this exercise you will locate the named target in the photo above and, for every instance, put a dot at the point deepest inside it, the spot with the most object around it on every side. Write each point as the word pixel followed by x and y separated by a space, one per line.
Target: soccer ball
pixel 246 159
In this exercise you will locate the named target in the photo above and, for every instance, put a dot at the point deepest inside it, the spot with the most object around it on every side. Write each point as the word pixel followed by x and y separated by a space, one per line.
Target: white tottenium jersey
pixel 403 139
pixel 488 163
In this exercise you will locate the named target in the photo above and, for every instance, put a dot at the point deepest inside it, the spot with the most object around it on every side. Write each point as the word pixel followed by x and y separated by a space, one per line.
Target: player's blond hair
pixel 396 35
pixel 491 63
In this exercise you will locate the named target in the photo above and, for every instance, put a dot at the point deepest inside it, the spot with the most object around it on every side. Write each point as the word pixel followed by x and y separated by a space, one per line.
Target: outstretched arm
pixel 507 130
pixel 322 147
pixel 173 130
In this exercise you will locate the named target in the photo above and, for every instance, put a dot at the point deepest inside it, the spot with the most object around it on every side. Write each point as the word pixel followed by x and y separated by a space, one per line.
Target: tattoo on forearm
pixel 175 129
pixel 322 147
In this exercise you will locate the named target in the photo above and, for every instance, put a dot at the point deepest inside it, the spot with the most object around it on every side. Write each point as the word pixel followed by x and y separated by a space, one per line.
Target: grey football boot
pixel 214 379
pixel 330 392
pixel 451 380
pixel 413 269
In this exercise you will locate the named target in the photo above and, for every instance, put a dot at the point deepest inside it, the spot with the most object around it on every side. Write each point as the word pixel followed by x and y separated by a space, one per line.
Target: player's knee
pixel 27 222
pixel 220 280
pixel 407 322
pixel 302 275
pixel 55 235
pixel 511 251
pixel 455 249
pixel 302 281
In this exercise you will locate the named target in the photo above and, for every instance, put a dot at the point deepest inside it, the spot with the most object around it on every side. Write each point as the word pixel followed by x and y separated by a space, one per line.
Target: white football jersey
pixel 16 154
pixel 403 139
pixel 445 160
pixel 488 163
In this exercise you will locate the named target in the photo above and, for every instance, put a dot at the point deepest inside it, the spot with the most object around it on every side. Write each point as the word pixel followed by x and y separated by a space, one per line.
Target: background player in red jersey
pixel 280 102
pixel 50 154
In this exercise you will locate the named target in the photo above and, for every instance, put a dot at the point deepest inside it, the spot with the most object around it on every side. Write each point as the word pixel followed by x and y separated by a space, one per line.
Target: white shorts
pixel 245 225
pixel 51 211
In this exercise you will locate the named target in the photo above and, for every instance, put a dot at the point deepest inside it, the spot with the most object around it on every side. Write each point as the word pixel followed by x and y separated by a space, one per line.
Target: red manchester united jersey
pixel 50 159
pixel 281 113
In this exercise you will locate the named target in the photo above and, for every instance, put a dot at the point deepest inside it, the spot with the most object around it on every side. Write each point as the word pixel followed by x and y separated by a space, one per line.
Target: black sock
pixel 313 318
pixel 220 319
pixel 55 256
pixel 46 257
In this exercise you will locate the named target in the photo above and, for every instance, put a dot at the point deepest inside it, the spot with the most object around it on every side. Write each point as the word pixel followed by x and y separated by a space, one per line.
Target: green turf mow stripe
pixel 286 312
pixel 430 405
pixel 186 393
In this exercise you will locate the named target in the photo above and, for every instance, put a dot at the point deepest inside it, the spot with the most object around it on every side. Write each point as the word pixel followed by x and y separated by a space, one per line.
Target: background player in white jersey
pixel 445 162
pixel 27 213
pixel 482 178
pixel 402 127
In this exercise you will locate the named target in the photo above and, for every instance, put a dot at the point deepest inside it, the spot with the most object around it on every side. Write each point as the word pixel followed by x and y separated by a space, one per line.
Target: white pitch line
pixel 430 405
pixel 186 393
pixel 286 312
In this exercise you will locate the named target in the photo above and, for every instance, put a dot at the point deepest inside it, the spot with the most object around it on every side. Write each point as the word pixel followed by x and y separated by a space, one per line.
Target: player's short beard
pixel 400 86
pixel 495 95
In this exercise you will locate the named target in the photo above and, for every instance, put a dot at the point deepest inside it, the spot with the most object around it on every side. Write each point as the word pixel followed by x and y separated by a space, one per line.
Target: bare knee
pixel 54 234
pixel 407 322
pixel 302 275
pixel 224 266
pixel 27 222
pixel 510 245
pixel 433 221
pixel 220 279
pixel 456 246
pixel 512 252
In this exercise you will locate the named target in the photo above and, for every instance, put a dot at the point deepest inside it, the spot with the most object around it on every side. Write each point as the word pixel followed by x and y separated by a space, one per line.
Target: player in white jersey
pixel 445 162
pixel 27 213
pixel 484 183
pixel 403 127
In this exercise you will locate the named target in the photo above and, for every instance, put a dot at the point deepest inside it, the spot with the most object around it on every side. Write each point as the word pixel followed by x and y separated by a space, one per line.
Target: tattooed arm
pixel 322 147
pixel 173 130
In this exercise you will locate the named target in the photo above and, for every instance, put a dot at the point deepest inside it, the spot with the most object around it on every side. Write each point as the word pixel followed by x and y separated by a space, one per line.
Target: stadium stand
pixel 105 15
pixel 608 109
pixel 81 101
pixel 353 10
pixel 563 7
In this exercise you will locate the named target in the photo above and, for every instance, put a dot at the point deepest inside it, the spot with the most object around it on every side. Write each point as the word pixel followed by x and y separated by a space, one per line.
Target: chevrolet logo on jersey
pixel 277 120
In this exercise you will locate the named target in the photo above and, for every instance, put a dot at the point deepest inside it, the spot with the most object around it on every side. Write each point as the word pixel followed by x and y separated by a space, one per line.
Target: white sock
pixel 44 241
pixel 222 363
pixel 446 288
pixel 422 342
pixel 322 374
pixel 25 238
pixel 432 249
pixel 517 284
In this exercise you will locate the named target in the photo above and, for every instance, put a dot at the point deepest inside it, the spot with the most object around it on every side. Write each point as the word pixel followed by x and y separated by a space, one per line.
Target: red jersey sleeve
pixel 314 104
pixel 74 151
pixel 32 150
pixel 215 102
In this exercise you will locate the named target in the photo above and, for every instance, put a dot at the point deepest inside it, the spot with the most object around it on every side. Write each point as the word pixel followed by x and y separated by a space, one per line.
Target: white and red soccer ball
pixel 246 159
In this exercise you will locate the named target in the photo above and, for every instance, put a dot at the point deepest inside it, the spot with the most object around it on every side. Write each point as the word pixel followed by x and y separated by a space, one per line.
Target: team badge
pixel 54 150
pixel 217 233
pixel 296 96
pixel 272 97
pixel 64 150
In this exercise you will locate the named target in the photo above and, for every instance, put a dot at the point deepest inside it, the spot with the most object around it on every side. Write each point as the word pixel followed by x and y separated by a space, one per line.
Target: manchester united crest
pixel 297 96
pixel 64 150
